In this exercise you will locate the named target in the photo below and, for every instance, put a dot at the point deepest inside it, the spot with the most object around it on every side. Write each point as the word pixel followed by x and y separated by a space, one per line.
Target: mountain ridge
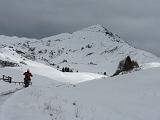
pixel 92 49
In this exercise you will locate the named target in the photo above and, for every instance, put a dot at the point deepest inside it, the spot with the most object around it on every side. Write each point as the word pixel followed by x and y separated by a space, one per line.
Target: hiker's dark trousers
pixel 26 83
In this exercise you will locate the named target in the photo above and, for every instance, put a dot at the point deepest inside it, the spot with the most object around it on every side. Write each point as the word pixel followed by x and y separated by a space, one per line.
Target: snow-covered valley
pixel 83 95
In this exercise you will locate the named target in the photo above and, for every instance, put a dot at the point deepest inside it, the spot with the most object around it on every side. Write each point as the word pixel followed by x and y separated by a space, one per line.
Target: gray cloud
pixel 136 21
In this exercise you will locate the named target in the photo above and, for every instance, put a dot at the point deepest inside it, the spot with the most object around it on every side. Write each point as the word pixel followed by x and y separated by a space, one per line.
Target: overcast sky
pixel 136 21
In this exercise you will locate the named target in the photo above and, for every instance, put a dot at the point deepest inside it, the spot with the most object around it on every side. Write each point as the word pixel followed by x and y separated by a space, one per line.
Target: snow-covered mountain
pixel 93 49
pixel 56 95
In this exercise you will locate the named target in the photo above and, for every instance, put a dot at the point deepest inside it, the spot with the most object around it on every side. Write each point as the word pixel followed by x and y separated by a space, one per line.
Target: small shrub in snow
pixel 91 63
pixel 52 64
pixel 64 61
pixel 74 103
pixel 88 46
pixel 82 48
pixel 40 51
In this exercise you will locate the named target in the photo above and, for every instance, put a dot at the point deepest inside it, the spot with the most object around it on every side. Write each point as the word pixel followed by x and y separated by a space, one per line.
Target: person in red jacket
pixel 27 78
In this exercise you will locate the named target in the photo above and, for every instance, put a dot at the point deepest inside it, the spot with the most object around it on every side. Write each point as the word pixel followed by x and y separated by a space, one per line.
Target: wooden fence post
pixel 3 77
pixel 10 79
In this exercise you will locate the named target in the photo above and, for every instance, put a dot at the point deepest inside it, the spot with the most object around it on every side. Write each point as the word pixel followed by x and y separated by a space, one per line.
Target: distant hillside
pixel 92 49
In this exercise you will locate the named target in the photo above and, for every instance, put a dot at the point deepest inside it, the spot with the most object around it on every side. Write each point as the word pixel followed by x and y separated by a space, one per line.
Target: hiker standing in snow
pixel 27 78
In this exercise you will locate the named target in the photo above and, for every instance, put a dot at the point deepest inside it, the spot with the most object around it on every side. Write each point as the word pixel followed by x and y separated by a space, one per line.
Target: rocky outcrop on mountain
pixel 126 65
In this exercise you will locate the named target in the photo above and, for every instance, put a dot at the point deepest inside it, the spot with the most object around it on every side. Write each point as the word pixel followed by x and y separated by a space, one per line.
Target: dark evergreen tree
pixel 63 70
pixel 126 65
pixel 67 69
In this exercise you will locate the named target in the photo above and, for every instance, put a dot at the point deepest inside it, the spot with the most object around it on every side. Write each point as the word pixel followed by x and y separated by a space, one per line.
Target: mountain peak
pixel 96 28
pixel 100 28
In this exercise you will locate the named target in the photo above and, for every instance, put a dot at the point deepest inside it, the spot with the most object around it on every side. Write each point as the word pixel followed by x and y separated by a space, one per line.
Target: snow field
pixel 79 96
pixel 132 96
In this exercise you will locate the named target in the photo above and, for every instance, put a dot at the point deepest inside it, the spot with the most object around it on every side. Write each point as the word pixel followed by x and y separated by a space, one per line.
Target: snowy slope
pixel 92 49
pixel 8 54
pixel 78 96
pixel 43 76
pixel 132 96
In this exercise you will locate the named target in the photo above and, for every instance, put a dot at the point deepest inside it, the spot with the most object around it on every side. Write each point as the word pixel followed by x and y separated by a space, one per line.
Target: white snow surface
pixel 132 96
pixel 82 95
pixel 43 77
